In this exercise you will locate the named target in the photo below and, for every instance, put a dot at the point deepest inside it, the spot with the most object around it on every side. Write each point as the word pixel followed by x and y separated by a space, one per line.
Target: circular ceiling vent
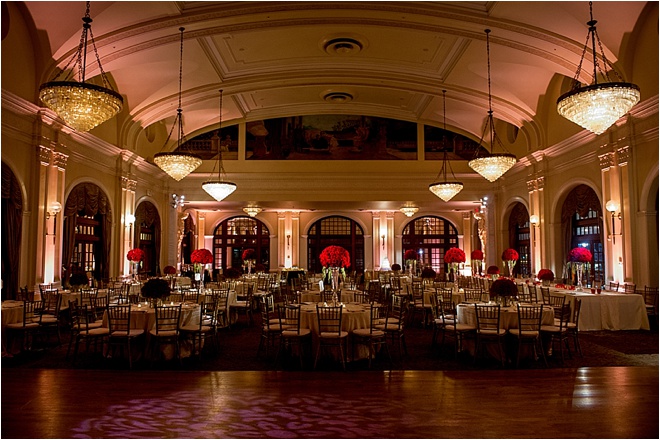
pixel 343 46
pixel 338 97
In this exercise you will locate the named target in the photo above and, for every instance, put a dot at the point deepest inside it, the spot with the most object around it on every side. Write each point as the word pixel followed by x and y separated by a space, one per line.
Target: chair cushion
pixel 101 331
pixel 164 334
pixel 492 332
pixel 523 333
pixel 462 327
pixel 242 304
pixel 293 333
pixel 123 333
pixel 95 324
pixel 19 326
pixel 365 332
pixel 195 328
pixel 48 319
pixel 333 335
pixel 551 329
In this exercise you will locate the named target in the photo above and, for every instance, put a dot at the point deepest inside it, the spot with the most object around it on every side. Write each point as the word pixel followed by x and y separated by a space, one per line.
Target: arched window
pixel 237 234
pixel 430 237
pixel 337 231
pixel 519 238
pixel 147 237
pixel 582 225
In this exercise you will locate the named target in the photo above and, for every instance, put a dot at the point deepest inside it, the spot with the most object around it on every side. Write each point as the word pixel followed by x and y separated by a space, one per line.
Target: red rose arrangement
pixel 477 254
pixel 249 254
pixel 428 272
pixel 201 256
pixel 169 270
pixel 579 255
pixel 135 255
pixel 493 270
pixel 454 255
pixel 335 256
pixel 410 254
pixel 503 287
pixel 232 273
pixel 510 254
pixel 546 275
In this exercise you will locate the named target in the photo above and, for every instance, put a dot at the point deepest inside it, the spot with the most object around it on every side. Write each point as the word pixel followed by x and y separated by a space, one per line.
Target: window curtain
pixel 518 218
pixel 12 225
pixel 87 199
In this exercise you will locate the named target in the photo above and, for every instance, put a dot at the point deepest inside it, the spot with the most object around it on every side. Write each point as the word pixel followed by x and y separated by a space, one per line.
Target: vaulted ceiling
pixel 392 59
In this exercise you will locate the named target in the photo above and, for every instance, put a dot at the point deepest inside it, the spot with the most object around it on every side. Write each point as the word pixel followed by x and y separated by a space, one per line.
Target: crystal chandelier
pixel 252 211
pixel 178 164
pixel 445 189
pixel 81 105
pixel 491 166
pixel 409 210
pixel 219 189
pixel 597 106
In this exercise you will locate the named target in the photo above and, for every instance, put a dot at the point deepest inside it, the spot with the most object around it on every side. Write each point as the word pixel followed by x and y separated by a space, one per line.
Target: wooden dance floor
pixel 609 402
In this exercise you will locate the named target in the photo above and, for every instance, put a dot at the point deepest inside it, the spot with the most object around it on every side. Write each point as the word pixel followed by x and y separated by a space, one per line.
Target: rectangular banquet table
pixel 608 310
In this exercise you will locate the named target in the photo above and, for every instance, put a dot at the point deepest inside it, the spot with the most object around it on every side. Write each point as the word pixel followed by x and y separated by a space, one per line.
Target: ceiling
pixel 276 59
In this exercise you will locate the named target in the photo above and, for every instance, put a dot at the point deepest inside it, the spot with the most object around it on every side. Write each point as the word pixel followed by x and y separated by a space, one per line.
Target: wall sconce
pixel 534 221
pixel 129 219
pixel 53 209
pixel 613 207
pixel 178 201
pixel 382 239
pixel 288 240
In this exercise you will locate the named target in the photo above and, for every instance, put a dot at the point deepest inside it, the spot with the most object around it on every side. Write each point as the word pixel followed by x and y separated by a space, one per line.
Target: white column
pixel 127 221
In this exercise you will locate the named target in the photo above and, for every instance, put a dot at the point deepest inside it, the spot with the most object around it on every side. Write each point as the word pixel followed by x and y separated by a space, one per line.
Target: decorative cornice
pixel 623 155
pixel 128 184
pixel 606 161
pixel 44 155
pixel 60 160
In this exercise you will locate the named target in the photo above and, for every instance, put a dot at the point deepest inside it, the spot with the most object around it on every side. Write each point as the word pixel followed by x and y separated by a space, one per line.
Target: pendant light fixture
pixel 444 188
pixel 597 106
pixel 81 105
pixel 219 189
pixel 178 164
pixel 491 166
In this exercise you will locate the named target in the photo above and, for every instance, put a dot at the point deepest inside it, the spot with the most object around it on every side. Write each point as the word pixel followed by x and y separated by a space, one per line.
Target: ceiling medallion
pixel 338 97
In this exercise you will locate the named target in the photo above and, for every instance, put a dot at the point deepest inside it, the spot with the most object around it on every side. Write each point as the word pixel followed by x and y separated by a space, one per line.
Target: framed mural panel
pixel 331 137
pixel 458 147
pixel 205 146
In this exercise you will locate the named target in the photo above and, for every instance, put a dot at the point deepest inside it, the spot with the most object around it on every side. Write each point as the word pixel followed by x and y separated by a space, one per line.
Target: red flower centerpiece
pixel 169 270
pixel 135 255
pixel 477 254
pixel 546 276
pixel 201 256
pixel 503 289
pixel 410 257
pixel 335 259
pixel 510 257
pixel 249 257
pixel 454 256
pixel 578 257
pixel 493 271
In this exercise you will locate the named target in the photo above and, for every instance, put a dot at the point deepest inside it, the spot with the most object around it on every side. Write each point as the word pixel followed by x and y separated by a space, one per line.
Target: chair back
pixel 51 299
pixel 289 316
pixel 533 293
pixel 119 318
pixel 86 296
pixel 556 301
pixel 545 295
pixel 488 317
pixel 397 311
pixel 530 317
pixel 31 313
pixel 168 318
pixel 629 288
pixel 329 319
pixel 221 298
pixel 651 299
pixel 472 295
pixel 210 309
pixel 614 287
pixel 576 313
pixel 292 296
pixel 436 313
pixel 377 315
pixel 362 297
pixel 327 295
pixel 176 296
pixel 267 309
pixel 191 295
pixel 100 305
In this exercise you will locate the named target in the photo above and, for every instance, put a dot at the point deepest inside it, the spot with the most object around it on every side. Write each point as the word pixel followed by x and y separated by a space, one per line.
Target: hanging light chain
pixel 221 168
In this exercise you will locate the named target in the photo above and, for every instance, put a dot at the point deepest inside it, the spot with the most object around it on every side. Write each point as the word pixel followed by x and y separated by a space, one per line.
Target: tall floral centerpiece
pixel 503 291
pixel 477 258
pixel 493 272
pixel 135 256
pixel 578 257
pixel 249 259
pixel 410 257
pixel 335 260
pixel 454 257
pixel 546 276
pixel 510 258
pixel 200 258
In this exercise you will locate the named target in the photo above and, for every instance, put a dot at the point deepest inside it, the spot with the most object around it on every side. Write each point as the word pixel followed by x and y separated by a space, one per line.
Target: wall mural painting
pixel 458 147
pixel 331 137
pixel 205 145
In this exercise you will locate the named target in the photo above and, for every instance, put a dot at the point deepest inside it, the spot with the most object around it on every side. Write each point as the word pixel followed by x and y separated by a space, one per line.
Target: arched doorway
pixel 430 237
pixel 519 238
pixel 87 232
pixel 582 226
pixel 188 239
pixel 12 225
pixel 338 231
pixel 235 235
pixel 147 237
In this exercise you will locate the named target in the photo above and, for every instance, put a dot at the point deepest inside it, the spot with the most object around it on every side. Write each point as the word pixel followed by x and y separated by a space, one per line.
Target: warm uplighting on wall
pixel 612 207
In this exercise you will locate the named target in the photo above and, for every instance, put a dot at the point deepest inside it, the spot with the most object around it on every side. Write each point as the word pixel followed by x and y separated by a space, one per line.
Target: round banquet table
pixel 314 296
pixel 508 316
pixel 12 313
pixel 353 316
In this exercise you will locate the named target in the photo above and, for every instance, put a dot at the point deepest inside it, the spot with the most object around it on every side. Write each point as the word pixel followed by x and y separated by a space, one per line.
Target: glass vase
pixel 509 265
pixel 335 278
pixel 579 267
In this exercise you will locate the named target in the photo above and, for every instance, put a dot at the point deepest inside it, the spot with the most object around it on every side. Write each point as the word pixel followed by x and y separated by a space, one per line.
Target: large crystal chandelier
pixel 409 210
pixel 178 164
pixel 219 189
pixel 597 106
pixel 491 166
pixel 444 188
pixel 81 105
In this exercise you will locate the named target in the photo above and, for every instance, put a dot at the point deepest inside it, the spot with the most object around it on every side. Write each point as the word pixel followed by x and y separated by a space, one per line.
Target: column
pixel 628 206
pixel 201 231
pixel 611 227
pixel 281 238
pixel 466 244
pixel 535 190
pixel 127 208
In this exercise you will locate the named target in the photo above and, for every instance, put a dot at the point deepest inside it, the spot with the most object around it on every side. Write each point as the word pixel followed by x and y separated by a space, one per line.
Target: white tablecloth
pixel 508 316
pixel 353 317
pixel 608 311
pixel 315 296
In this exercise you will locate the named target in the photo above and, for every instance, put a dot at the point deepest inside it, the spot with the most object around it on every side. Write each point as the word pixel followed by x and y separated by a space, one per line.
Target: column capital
pixel 60 160
pixel 606 161
pixel 623 155
pixel 128 184
pixel 44 155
